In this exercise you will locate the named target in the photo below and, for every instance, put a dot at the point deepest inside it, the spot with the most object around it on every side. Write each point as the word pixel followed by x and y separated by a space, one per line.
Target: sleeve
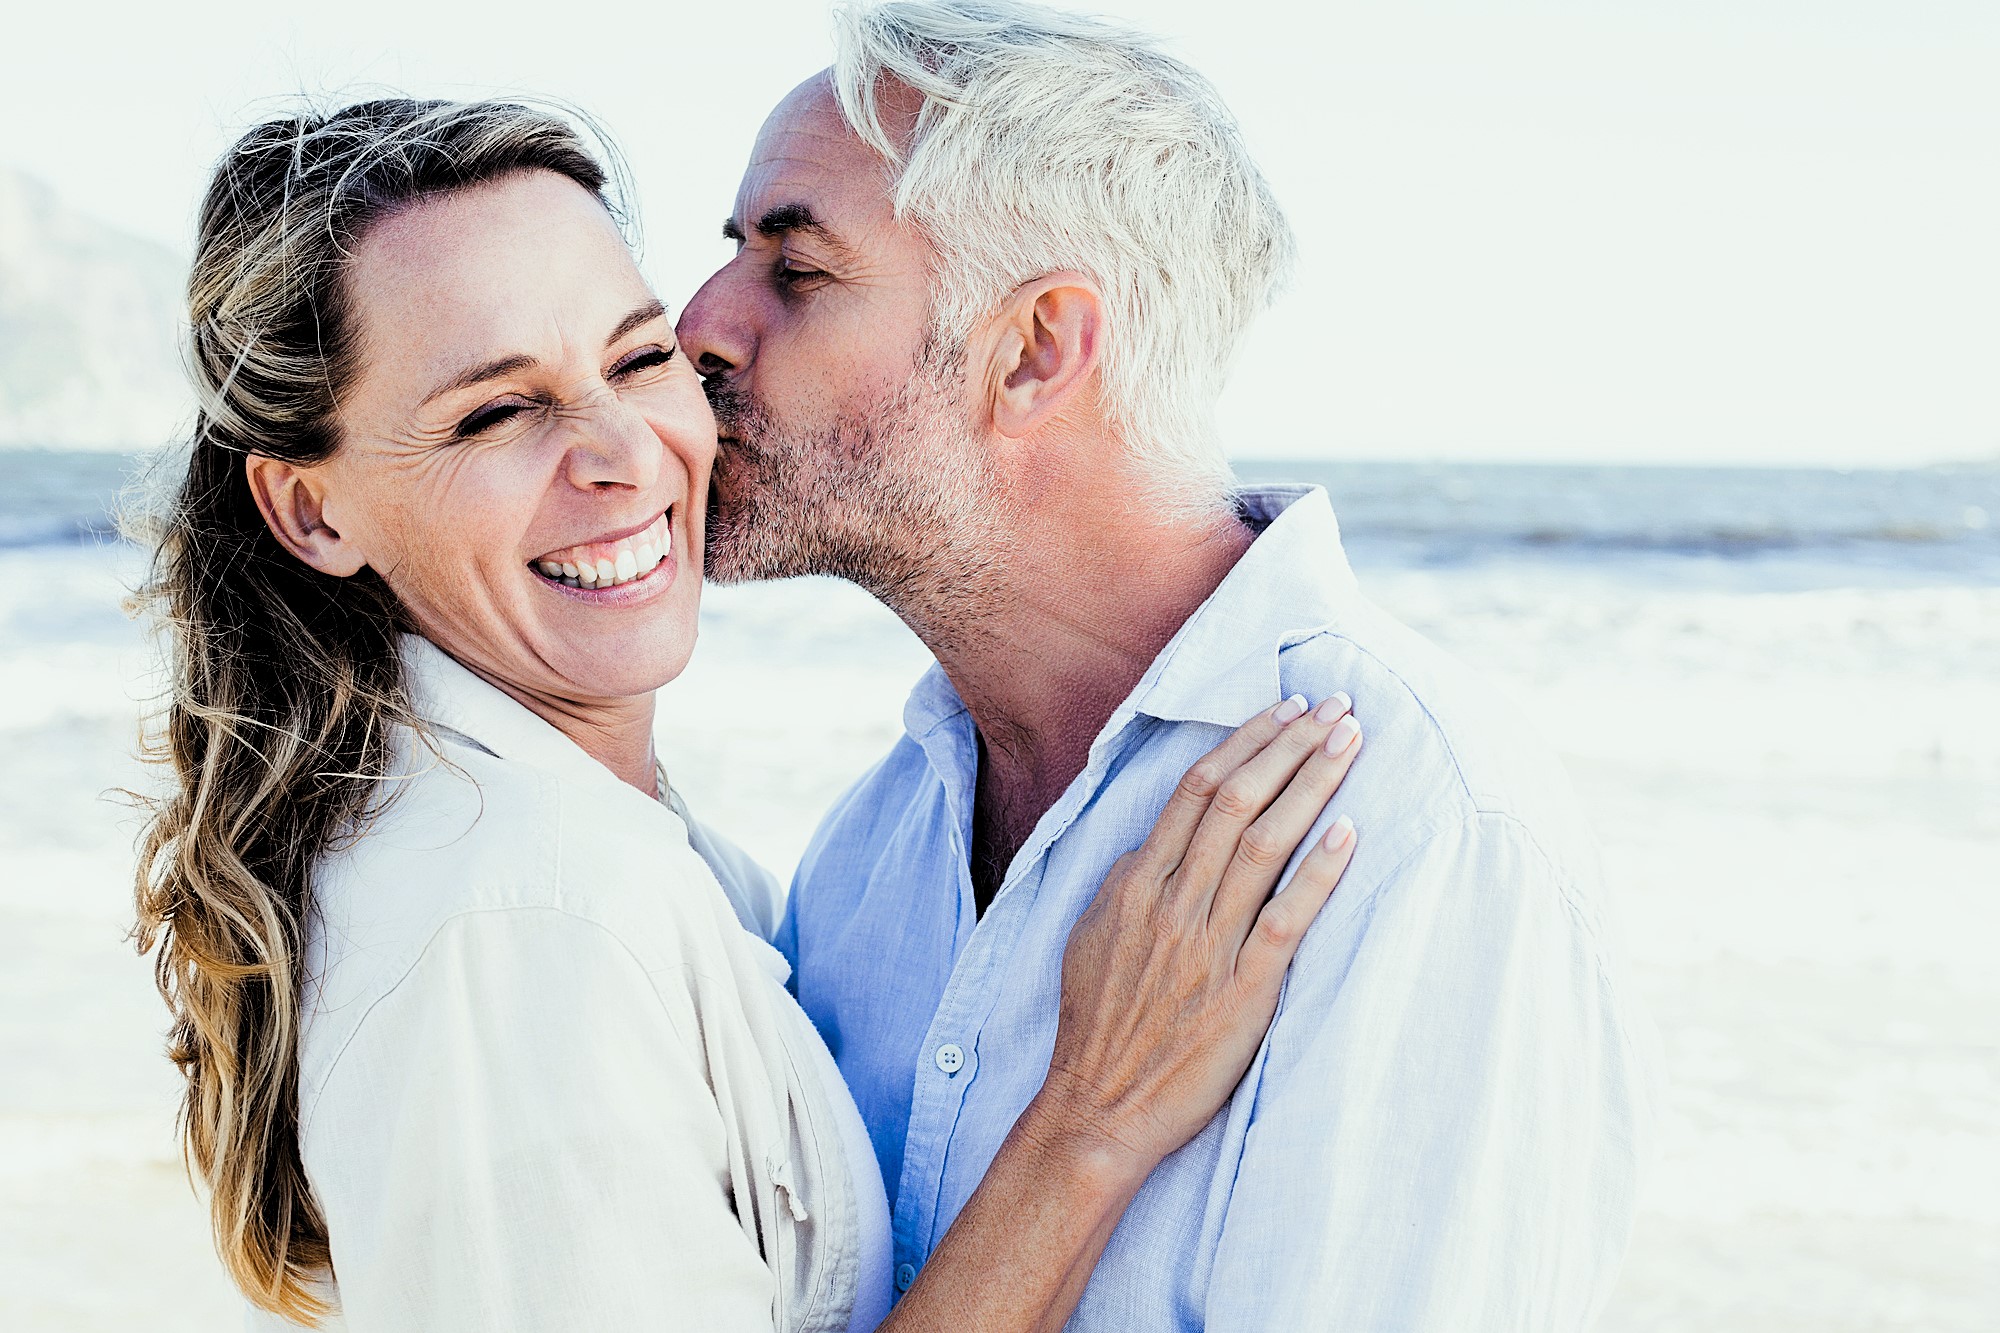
pixel 518 1137
pixel 786 941
pixel 754 892
pixel 1447 1131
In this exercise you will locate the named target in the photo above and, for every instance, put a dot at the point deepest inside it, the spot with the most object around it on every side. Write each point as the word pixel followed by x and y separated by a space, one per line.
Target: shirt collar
pixel 933 700
pixel 450 697
pixel 1222 665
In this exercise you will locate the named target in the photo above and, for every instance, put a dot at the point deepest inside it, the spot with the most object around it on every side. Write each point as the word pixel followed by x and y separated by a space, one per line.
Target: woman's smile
pixel 641 557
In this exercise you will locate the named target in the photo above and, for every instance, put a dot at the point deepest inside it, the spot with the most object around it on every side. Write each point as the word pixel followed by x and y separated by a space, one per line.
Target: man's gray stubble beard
pixel 896 499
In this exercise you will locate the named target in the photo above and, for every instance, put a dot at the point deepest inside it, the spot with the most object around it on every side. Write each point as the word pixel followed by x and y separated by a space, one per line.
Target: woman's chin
pixel 608 647
pixel 624 670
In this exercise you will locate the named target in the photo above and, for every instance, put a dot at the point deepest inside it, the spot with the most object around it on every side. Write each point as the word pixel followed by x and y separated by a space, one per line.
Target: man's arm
pixel 1451 1114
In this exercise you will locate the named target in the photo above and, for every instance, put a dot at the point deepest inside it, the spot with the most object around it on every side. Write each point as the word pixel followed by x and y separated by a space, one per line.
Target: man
pixel 992 267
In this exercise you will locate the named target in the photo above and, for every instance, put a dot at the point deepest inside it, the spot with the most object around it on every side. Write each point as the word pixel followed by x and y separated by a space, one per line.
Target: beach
pixel 1779 699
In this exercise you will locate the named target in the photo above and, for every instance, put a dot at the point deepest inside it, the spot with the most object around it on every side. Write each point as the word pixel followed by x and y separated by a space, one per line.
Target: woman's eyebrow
pixel 491 370
pixel 640 317
pixel 508 365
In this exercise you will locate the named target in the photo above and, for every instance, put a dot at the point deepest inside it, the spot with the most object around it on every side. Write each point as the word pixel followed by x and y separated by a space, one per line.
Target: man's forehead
pixel 807 154
pixel 811 100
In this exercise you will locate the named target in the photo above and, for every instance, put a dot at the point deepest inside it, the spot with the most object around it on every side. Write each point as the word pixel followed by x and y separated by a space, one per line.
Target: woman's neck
pixel 617 733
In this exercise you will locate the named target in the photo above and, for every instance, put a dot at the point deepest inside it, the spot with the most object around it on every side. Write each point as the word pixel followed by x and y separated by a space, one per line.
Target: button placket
pixel 969 995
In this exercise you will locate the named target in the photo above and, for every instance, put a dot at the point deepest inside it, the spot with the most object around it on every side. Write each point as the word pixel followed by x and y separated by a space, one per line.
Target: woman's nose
pixel 614 445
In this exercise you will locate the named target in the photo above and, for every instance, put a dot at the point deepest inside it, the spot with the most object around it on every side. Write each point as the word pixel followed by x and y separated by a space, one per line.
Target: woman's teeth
pixel 608 564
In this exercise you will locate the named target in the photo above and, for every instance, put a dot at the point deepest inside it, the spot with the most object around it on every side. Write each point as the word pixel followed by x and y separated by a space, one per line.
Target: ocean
pixel 1778 692
pixel 1945 519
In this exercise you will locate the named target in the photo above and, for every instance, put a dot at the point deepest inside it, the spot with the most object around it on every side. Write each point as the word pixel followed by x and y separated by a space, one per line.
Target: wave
pixel 1649 508
pixel 56 497
pixel 1719 538
pixel 19 532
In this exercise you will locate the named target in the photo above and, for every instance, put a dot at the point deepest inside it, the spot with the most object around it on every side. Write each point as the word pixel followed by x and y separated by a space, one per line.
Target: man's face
pixel 847 440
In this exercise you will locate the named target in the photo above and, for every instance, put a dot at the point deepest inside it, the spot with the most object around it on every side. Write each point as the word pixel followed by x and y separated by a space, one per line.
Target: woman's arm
pixel 1170 981
pixel 519 1136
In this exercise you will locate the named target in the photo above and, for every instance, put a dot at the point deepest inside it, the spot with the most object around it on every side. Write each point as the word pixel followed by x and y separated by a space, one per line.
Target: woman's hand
pixel 1171 976
pixel 1170 981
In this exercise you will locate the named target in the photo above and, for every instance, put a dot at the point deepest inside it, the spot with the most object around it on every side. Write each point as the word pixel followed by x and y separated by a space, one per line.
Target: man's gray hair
pixel 1049 141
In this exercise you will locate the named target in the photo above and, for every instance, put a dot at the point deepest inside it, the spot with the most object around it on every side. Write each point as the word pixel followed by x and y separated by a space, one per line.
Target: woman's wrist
pixel 1076 1141
pixel 1047 1205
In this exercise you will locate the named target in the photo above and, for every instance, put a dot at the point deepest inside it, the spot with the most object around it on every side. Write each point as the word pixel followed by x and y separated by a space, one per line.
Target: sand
pixel 1795 774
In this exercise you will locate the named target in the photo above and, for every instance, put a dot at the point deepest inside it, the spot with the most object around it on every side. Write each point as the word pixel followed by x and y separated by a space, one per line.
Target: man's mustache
pixel 729 403
pixel 738 421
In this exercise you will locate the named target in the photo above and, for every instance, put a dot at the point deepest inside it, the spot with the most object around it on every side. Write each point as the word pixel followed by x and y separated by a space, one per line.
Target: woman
pixel 476 1030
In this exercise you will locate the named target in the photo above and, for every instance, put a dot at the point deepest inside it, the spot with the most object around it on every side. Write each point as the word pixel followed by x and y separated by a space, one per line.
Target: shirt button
pixel 905 1275
pixel 951 1057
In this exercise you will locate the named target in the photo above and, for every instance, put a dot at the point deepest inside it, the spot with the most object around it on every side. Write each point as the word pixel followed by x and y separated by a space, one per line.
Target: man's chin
pixel 727 555
pixel 736 550
pixel 718 563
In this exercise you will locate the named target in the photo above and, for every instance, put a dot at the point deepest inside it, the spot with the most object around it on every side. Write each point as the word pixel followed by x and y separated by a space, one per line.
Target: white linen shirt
pixel 549 1080
pixel 1444 1127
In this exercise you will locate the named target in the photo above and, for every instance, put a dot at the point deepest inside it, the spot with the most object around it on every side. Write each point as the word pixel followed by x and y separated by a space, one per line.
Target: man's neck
pixel 1070 620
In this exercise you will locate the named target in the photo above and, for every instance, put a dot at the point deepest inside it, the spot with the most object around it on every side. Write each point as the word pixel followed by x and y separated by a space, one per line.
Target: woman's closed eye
pixel 633 367
pixel 640 360
pixel 491 415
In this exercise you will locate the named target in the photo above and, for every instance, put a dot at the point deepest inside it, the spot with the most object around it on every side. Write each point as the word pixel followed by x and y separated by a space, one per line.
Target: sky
pixel 1755 231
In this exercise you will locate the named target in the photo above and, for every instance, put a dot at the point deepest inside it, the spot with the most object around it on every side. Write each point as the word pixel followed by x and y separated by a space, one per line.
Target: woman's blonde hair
pixel 286 687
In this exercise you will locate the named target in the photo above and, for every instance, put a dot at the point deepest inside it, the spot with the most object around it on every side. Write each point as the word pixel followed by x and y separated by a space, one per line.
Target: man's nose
pixel 713 332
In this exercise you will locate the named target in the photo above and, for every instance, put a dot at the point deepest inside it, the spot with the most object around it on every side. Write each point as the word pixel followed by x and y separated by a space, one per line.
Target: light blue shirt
pixel 1445 1126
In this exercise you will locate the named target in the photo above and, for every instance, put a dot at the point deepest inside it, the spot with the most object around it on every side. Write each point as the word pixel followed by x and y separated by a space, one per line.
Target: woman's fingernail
pixel 1333 707
pixel 1340 834
pixel 1342 735
pixel 1289 709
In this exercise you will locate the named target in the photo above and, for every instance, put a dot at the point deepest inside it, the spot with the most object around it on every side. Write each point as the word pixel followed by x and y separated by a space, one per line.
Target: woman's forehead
pixel 435 240
pixel 520 258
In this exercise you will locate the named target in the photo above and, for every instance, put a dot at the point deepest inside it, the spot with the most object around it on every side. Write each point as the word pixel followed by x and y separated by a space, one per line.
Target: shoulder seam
pixel 1565 886
pixel 1564 882
pixel 1437 728
pixel 1607 975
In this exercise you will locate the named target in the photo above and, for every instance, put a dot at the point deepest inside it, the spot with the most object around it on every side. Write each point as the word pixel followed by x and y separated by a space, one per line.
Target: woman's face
pixel 524 451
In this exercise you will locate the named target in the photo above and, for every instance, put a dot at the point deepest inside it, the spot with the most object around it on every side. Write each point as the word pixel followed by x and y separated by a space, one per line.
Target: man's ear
pixel 1051 335
pixel 292 500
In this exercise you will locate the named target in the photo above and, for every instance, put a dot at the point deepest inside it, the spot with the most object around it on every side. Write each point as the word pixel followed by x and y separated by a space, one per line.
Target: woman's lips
pixel 609 564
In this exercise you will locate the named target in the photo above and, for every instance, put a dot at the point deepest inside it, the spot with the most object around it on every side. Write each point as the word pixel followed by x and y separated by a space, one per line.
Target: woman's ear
pixel 1050 335
pixel 292 500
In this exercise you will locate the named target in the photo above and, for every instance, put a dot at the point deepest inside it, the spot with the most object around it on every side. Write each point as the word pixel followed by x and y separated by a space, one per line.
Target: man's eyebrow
pixel 508 365
pixel 779 219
